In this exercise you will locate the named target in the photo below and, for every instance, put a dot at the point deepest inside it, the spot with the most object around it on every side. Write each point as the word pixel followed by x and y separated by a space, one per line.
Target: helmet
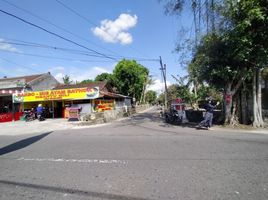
pixel 40 105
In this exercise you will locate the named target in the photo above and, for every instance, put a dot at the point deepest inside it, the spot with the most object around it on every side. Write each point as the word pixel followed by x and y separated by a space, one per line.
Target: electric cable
pixel 55 34
pixel 58 27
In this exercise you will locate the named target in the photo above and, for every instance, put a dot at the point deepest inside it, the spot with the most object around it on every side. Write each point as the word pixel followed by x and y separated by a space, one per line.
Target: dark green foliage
pixel 109 78
pixel 87 81
pixel 66 80
pixel 130 77
pixel 150 96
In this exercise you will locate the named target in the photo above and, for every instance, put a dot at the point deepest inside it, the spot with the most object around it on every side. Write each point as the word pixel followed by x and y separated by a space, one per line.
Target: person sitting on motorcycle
pixel 39 110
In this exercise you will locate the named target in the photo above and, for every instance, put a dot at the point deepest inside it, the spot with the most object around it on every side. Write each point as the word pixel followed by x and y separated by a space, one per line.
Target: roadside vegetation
pixel 229 55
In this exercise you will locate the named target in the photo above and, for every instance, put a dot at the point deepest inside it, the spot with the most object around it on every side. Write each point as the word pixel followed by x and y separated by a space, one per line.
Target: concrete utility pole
pixel 164 70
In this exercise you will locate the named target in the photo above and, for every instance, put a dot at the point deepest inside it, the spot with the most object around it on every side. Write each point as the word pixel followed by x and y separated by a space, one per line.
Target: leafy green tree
pixel 103 77
pixel 129 77
pixel 87 81
pixel 249 20
pixel 180 91
pixel 67 80
pixel 148 81
pixel 216 62
pixel 161 99
pixel 109 78
pixel 150 96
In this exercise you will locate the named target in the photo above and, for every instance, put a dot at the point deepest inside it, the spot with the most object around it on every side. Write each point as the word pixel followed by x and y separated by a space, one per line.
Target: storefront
pixel 10 86
pixel 56 102
pixel 20 94
pixel 8 110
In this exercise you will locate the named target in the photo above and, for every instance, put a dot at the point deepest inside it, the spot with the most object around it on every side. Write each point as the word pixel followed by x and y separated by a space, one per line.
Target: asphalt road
pixel 137 158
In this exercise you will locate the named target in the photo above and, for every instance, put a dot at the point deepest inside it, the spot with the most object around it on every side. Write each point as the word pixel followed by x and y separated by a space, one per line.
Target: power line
pixel 104 55
pixel 55 34
pixel 76 13
pixel 91 22
pixel 58 27
pixel 35 45
pixel 19 65
pixel 74 51
pixel 52 57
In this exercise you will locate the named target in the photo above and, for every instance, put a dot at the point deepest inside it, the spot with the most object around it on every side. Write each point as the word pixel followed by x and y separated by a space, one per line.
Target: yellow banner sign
pixel 65 94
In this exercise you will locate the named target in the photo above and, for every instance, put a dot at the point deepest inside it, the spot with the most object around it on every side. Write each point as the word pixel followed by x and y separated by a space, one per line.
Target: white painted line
pixel 97 161
pixel 91 126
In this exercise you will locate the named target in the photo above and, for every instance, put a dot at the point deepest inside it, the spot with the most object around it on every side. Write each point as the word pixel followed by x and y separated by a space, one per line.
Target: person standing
pixel 207 122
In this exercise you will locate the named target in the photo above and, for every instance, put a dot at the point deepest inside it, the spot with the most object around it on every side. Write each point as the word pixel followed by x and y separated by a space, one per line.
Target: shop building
pixel 17 85
pixel 63 100
pixel 98 97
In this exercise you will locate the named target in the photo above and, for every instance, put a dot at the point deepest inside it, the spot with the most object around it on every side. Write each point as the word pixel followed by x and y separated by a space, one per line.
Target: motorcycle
pixel 173 117
pixel 40 116
pixel 29 115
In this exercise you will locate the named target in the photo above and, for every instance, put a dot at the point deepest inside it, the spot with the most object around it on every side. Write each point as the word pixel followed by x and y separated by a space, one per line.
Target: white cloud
pixel 6 46
pixel 158 86
pixel 116 31
pixel 77 74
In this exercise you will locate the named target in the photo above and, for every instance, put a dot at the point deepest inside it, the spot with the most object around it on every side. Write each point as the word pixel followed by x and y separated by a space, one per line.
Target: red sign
pixel 73 113
pixel 7 117
pixel 228 98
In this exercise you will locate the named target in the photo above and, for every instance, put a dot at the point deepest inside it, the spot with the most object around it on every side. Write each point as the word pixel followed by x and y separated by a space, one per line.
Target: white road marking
pixel 91 126
pixel 98 161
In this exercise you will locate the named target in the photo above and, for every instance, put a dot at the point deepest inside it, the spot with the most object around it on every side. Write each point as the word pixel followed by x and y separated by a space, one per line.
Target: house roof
pixel 101 84
pixel 104 87
pixel 26 78
pixel 114 95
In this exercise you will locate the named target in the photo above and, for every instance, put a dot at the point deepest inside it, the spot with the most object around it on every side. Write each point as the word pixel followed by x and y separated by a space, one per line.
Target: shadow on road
pixel 22 143
pixel 70 191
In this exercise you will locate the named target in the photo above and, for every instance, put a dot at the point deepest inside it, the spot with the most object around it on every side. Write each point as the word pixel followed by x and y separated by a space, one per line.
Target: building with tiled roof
pixel 15 85
pixel 18 94
pixel 35 82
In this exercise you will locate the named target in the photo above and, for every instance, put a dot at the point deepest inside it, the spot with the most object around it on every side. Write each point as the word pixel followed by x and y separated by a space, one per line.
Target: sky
pixel 84 38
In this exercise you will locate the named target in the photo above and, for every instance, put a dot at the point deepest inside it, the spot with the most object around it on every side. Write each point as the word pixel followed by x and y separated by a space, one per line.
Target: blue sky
pixel 112 28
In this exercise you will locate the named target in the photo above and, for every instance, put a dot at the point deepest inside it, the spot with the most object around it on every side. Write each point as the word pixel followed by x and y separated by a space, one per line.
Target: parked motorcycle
pixel 29 115
pixel 173 117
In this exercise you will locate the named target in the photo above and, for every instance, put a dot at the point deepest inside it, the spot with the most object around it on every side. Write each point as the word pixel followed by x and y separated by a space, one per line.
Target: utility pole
pixel 164 70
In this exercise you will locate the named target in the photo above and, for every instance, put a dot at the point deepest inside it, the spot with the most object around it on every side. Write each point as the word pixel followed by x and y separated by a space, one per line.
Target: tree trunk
pixel 244 106
pixel 228 104
pixel 257 104
pixel 142 100
pixel 244 117
pixel 233 120
pixel 195 90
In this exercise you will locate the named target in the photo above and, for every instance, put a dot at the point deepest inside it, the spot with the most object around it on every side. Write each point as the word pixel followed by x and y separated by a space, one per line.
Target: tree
pixel 129 77
pixel 148 81
pixel 67 80
pixel 216 62
pixel 150 96
pixel 103 77
pixel 180 91
pixel 249 20
pixel 265 76
pixel 86 81
pixel 161 99
pixel 109 78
